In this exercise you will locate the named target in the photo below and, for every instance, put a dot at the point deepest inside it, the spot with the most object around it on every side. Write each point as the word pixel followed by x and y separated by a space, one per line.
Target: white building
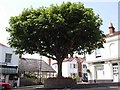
pixel 104 64
pixel 8 64
pixel 71 67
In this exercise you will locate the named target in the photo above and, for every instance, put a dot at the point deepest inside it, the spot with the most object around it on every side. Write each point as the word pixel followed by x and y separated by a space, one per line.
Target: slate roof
pixel 70 59
pixel 78 59
pixel 34 65
pixel 2 45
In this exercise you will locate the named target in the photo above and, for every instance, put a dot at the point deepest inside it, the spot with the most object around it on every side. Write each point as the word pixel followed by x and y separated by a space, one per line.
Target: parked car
pixel 5 85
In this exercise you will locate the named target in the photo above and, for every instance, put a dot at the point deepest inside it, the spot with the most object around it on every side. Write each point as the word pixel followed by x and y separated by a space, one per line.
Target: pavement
pixel 102 86
pixel 28 87
pixel 97 88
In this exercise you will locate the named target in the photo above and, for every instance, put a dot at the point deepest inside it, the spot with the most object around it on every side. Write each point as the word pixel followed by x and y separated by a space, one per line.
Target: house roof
pixel 113 34
pixel 70 59
pixel 78 59
pixel 2 45
pixel 34 65
pixel 112 31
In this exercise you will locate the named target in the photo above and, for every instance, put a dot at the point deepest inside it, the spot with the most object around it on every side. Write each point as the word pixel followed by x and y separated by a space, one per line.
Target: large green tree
pixel 56 31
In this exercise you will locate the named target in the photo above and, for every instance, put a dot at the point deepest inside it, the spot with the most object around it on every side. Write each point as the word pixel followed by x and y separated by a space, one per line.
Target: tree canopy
pixel 56 31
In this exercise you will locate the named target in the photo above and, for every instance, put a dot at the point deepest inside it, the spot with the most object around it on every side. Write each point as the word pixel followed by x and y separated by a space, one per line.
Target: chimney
pixel 111 28
pixel 49 61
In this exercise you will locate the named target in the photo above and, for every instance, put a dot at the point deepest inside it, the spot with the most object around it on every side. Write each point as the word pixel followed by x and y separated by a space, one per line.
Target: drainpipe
pixel 118 71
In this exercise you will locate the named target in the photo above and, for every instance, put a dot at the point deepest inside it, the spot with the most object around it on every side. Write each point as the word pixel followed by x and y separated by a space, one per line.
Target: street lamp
pixel 40 67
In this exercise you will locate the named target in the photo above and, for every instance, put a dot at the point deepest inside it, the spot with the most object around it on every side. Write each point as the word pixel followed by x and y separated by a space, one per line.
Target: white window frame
pixel 98 53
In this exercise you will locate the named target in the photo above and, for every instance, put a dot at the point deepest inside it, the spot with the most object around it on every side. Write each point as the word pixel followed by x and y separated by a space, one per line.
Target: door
pixel 115 73
pixel 100 72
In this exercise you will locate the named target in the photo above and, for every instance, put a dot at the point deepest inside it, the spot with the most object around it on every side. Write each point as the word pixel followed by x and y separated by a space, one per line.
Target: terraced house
pixel 104 64
pixel 71 67
pixel 8 64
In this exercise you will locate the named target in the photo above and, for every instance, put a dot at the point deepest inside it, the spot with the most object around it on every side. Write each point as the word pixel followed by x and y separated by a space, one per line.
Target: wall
pixel 66 68
pixel 73 70
pixel 108 69
pixel 14 59
pixel 1 53
pixel 110 50
pixel 109 54
pixel 14 62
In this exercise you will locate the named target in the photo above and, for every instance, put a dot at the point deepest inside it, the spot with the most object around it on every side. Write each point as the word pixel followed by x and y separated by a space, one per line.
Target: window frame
pixel 8 57
pixel 74 65
pixel 98 53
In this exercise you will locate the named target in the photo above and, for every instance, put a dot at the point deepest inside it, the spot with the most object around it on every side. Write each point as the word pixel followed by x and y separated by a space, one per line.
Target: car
pixel 5 85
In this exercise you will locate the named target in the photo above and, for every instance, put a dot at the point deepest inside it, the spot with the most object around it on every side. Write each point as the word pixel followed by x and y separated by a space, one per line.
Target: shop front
pixel 9 74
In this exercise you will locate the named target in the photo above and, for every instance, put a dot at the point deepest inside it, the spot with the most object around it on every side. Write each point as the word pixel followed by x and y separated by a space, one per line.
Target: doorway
pixel 115 72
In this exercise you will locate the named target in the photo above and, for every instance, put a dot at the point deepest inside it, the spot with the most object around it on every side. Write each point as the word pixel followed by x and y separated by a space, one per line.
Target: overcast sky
pixel 107 9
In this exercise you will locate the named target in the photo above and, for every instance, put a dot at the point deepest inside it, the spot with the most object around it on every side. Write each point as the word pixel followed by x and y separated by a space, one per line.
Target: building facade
pixel 71 67
pixel 8 64
pixel 104 64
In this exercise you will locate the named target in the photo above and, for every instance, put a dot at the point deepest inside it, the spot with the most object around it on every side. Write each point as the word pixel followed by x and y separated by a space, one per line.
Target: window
pixel 100 72
pixel 115 68
pixel 84 66
pixel 74 65
pixel 73 74
pixel 8 58
pixel 98 53
pixel 113 50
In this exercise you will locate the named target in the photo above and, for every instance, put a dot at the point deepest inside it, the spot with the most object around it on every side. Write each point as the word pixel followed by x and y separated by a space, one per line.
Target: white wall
pixel 0 53
pixel 73 70
pixel 107 70
pixel 66 68
pixel 91 76
pixel 14 59
pixel 110 50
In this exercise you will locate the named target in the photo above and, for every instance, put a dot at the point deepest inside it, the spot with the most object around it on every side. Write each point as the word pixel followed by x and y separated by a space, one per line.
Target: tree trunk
pixel 59 68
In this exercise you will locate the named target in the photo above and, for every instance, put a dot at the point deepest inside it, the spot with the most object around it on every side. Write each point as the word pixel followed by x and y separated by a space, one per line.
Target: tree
pixel 56 31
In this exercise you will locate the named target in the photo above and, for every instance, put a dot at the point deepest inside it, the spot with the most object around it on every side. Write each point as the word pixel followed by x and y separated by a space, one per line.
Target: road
pixel 96 88
pixel 28 87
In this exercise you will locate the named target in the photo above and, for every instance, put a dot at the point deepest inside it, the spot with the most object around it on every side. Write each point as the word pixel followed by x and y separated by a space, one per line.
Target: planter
pixel 59 83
